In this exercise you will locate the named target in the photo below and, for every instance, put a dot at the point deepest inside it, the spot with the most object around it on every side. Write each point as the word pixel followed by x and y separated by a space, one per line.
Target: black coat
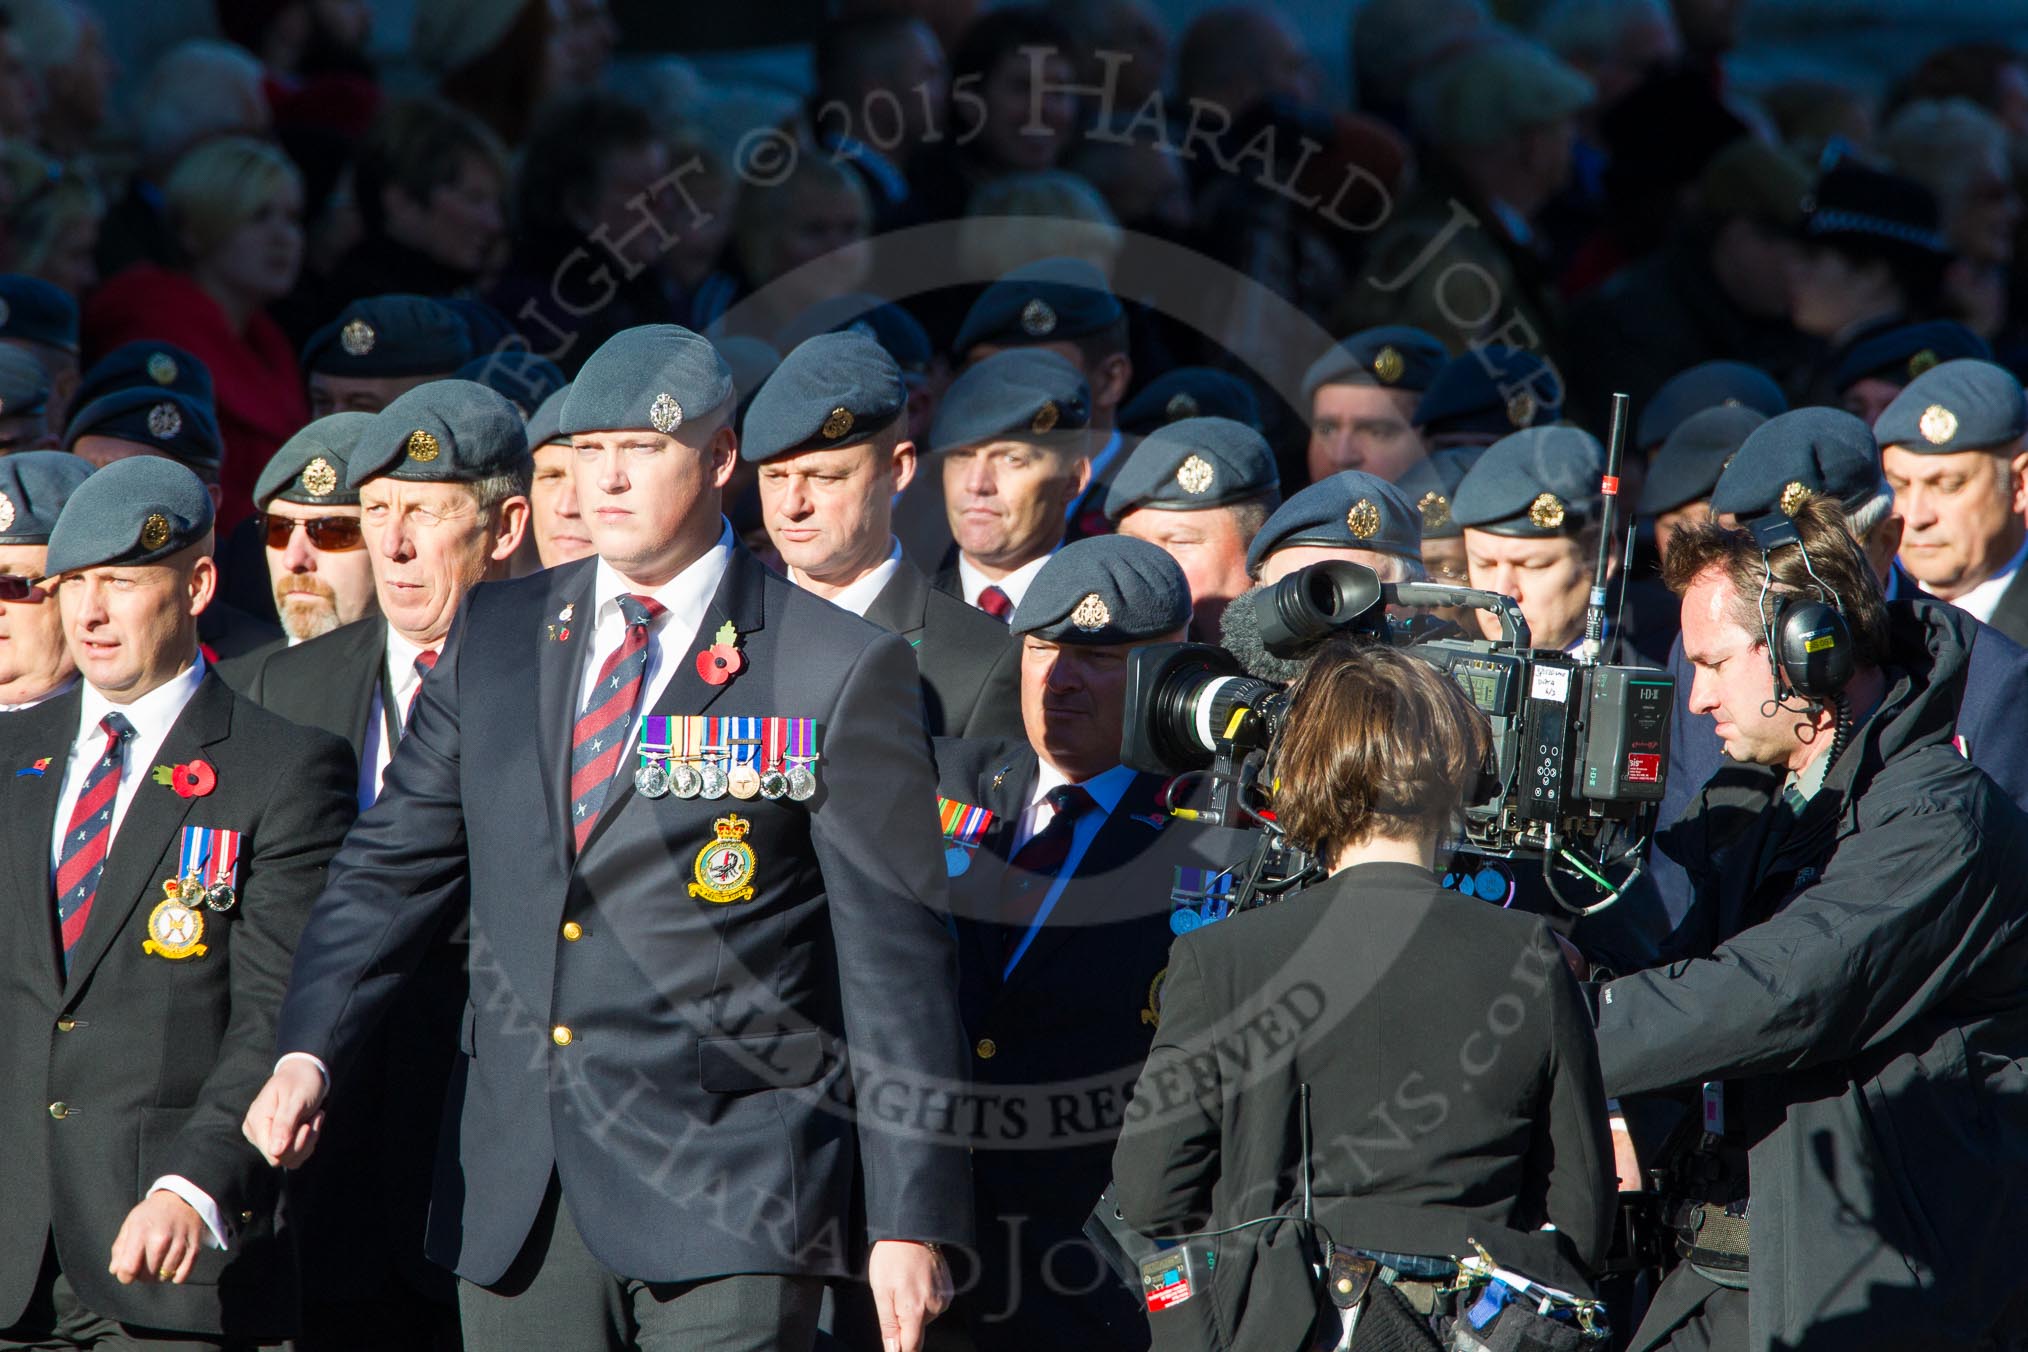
pixel 1057 1045
pixel 236 643
pixel 1865 1000
pixel 327 682
pixel 156 1060
pixel 970 665
pixel 2010 616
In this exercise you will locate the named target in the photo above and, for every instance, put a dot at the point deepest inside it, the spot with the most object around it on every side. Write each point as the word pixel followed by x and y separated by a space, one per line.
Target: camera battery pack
pixel 1168 1279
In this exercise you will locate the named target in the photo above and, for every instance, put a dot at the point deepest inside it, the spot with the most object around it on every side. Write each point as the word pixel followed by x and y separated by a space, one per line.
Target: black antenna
pixel 1595 610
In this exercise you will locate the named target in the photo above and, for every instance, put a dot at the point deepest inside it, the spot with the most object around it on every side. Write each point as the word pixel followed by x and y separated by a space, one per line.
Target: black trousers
pixel 1692 1313
pixel 57 1321
pixel 557 1298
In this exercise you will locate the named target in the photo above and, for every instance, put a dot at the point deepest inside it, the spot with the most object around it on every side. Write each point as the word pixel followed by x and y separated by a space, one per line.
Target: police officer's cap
pixel 133 511
pixel 1194 464
pixel 1105 589
pixel 542 428
pixel 655 377
pixel 1394 357
pixel 1432 485
pixel 1687 466
pixel 1963 405
pixel 1539 482
pixel 392 335
pixel 444 431
pixel 1491 391
pixel 1349 510
pixel 526 378
pixel 886 323
pixel 34 485
pixel 1900 354
pixel 1793 454
pixel 145 364
pixel 182 428
pixel 836 389
pixel 1049 301
pixel 35 311
pixel 1024 394
pixel 24 385
pixel 1710 384
pixel 1189 392
pixel 313 467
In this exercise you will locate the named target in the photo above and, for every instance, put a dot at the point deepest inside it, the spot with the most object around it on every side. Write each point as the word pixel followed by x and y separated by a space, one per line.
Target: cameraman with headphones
pixel 1855 1160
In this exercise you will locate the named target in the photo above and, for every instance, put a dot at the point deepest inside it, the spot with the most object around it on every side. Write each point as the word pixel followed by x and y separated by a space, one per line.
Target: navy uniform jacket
pixel 155 1060
pixel 1058 1044
pixel 970 666
pixel 685 1068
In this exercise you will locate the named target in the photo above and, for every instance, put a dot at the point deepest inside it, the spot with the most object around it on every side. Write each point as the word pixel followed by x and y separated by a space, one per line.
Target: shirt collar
pixel 1015 584
pixel 860 594
pixel 686 594
pixel 154 713
pixel 1106 788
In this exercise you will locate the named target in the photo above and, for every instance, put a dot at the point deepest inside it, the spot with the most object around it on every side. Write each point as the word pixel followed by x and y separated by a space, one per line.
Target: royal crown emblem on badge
pixel 319 478
pixel 1388 365
pixel 1195 475
pixel 423 447
pixel 357 338
pixel 1363 520
pixel 164 421
pixel 1037 319
pixel 1937 424
pixel 155 531
pixel 1092 614
pixel 837 424
pixel 1435 509
pixel 665 415
pixel 1045 419
pixel 1546 511
pixel 1794 495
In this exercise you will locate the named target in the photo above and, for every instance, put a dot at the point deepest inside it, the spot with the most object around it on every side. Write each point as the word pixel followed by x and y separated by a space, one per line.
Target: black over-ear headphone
pixel 1809 645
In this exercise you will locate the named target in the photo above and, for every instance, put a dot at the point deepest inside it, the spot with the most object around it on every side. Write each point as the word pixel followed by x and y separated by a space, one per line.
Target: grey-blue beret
pixel 525 377
pixel 1901 353
pixel 444 431
pixel 35 311
pixel 1048 301
pixel 1194 464
pixel 654 377
pixel 133 511
pixel 836 389
pixel 392 335
pixel 149 365
pixel 1393 356
pixel 1687 465
pixel 1348 510
pixel 751 361
pixel 313 467
pixel 1711 384
pixel 1432 485
pixel 182 428
pixel 1189 392
pixel 34 485
pixel 1806 450
pixel 1105 589
pixel 542 428
pixel 24 385
pixel 894 328
pixel 1963 405
pixel 1539 482
pixel 1024 394
pixel 1489 391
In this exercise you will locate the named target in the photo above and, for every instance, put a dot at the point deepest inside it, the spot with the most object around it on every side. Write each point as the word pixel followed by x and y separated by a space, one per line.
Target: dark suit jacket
pixel 236 643
pixel 679 1064
pixel 1454 1087
pixel 328 682
pixel 2010 617
pixel 1066 1033
pixel 157 1059
pixel 970 665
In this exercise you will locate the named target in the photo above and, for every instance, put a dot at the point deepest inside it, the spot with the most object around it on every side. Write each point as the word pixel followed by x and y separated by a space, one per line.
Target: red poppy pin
pixel 192 779
pixel 722 660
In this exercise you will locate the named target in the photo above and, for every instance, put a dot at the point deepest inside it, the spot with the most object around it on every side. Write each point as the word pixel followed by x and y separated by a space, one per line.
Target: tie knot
pixel 116 728
pixel 638 610
pixel 1069 800
pixel 996 603
pixel 425 662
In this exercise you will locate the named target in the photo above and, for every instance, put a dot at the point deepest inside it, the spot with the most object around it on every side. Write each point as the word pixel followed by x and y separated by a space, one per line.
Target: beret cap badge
pixel 1435 509
pixel 1194 475
pixel 1922 361
pixel 1388 364
pixel 162 368
pixel 1092 613
pixel 319 477
pixel 1794 494
pixel 155 531
pixel 1521 409
pixel 1038 320
pixel 164 421
pixel 1937 424
pixel 1045 418
pixel 6 512
pixel 665 415
pixel 1546 511
pixel 357 338
pixel 422 447
pixel 1181 405
pixel 837 423
pixel 1363 520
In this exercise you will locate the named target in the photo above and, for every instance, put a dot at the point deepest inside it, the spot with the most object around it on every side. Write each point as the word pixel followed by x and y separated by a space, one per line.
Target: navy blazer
pixel 687 1069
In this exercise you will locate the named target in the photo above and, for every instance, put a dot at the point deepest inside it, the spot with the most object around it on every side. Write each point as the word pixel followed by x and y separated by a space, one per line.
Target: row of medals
pixel 714 780
pixel 190 890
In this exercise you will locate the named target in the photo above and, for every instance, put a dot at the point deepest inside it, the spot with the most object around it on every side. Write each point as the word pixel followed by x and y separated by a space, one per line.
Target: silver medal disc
pixel 220 897
pixel 802 783
pixel 651 780
pixel 774 784
pixel 711 782
pixel 685 781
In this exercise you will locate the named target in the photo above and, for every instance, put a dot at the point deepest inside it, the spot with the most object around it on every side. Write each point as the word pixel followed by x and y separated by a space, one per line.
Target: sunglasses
pixel 14 587
pixel 333 534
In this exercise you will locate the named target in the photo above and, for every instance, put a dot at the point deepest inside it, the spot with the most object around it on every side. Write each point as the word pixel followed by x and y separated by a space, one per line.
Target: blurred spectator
pixel 950 20
pixel 1958 151
pixel 693 266
pixel 1710 29
pixel 197 90
pixel 40 320
pixel 64 44
pixel 429 181
pixel 502 60
pixel 1990 74
pixel 1499 118
pixel 1023 218
pixel 51 219
pixel 236 207
pixel 1236 56
pixel 1133 29
pixel 583 250
pixel 1612 43
pixel 1141 176
pixel 1810 115
pixel 301 38
pixel 818 212
pixel 1395 42
pixel 881 84
pixel 1718 289
pixel 17 87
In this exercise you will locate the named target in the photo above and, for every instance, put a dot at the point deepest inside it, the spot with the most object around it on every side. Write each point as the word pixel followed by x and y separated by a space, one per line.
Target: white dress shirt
pixel 1015 584
pixel 684 597
pixel 1981 601
pixel 402 680
pixel 1106 790
pixel 152 716
pixel 860 594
